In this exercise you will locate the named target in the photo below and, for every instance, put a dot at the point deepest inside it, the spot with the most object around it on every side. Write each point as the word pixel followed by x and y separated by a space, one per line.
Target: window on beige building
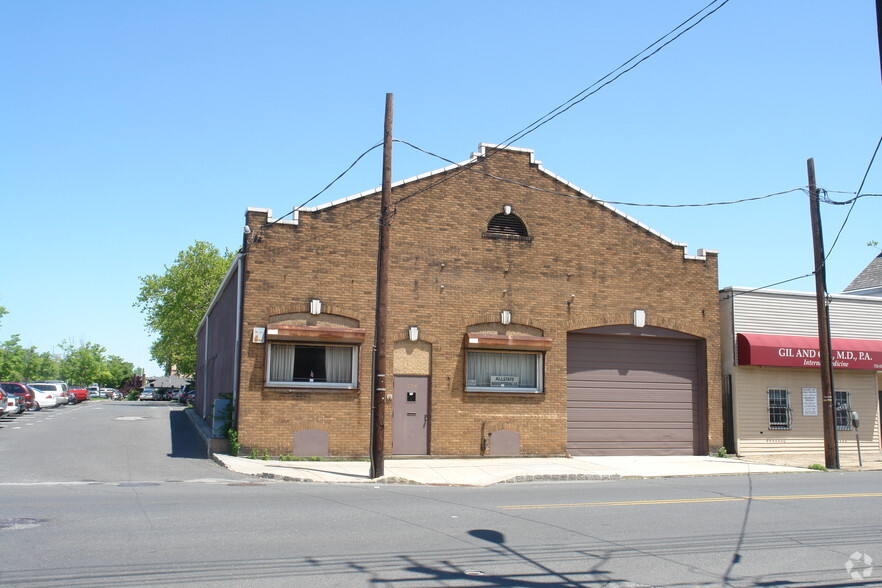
pixel 842 402
pixel 779 409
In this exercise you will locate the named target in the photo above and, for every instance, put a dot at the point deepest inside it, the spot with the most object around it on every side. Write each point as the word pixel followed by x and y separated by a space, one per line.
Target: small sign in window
pixel 504 381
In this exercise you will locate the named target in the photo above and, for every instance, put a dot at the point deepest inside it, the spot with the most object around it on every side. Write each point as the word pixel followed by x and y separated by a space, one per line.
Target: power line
pixel 808 275
pixel 334 181
pixel 855 199
pixel 578 98
pixel 595 198
pixel 554 113
pixel 586 93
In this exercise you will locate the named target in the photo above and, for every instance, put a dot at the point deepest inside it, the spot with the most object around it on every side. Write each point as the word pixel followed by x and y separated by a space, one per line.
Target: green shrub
pixel 721 452
pixel 233 436
pixel 817 466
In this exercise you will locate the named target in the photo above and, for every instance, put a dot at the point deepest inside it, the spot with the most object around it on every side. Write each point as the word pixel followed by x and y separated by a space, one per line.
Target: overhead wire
pixel 594 197
pixel 578 98
pixel 334 181
pixel 766 287
pixel 585 93
pixel 598 85
pixel 855 199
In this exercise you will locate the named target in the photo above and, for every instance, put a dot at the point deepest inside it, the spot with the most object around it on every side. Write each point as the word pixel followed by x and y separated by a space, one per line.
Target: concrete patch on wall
pixel 413 358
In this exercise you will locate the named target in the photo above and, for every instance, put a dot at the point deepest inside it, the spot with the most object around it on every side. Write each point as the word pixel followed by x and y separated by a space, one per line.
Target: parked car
pixel 4 399
pixel 14 404
pixel 21 390
pixel 78 395
pixel 58 389
pixel 188 396
pixel 148 394
pixel 46 394
pixel 106 392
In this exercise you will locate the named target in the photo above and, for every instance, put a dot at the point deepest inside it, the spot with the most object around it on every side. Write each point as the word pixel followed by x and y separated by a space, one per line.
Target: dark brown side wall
pixel 216 351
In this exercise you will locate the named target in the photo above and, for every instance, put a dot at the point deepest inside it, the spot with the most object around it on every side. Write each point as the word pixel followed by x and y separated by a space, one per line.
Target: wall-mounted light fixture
pixel 315 307
pixel 572 299
pixel 413 333
pixel 247 230
pixel 506 209
pixel 639 318
pixel 505 317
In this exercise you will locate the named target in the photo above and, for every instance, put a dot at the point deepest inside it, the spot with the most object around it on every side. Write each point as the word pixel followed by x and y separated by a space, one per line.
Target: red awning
pixel 789 351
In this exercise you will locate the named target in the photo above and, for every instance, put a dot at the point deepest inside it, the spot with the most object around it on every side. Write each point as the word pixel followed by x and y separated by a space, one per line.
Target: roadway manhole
pixel 23 523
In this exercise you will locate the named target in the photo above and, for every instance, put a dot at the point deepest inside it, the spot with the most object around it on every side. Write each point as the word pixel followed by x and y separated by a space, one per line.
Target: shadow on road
pixel 185 441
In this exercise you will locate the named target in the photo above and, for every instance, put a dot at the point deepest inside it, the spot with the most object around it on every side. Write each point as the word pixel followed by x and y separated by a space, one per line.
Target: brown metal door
pixel 410 415
pixel 631 395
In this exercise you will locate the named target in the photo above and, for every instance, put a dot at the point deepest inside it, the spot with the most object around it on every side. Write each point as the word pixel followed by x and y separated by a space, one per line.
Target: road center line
pixel 690 501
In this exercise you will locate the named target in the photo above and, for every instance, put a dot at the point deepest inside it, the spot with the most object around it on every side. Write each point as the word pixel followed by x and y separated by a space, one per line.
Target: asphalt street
pixel 114 494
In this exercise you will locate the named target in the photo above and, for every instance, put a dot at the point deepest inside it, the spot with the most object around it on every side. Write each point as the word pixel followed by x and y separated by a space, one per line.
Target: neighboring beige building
pixel 771 376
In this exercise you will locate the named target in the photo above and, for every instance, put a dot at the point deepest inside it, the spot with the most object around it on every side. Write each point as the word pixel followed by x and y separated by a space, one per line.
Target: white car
pixel 14 404
pixel 44 398
pixel 58 389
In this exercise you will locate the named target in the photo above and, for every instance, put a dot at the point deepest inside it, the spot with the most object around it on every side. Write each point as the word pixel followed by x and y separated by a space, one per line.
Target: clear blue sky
pixel 132 129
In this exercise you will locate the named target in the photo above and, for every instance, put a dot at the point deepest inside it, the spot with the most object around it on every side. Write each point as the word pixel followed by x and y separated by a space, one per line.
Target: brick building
pixel 525 318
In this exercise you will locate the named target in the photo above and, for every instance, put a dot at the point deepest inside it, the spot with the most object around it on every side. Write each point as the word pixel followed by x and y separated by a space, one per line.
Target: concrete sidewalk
pixel 487 471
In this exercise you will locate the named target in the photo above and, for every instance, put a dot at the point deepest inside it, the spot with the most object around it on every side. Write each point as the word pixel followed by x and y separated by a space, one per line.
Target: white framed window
pixel 842 405
pixel 779 409
pixel 310 365
pixel 503 371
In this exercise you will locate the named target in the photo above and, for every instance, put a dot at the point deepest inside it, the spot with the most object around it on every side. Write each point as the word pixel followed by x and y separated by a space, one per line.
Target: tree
pixel 116 371
pixel 83 364
pixel 41 366
pixel 175 302
pixel 12 359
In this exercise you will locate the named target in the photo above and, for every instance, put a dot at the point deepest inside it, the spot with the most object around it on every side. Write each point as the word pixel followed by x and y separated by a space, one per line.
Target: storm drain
pixel 137 484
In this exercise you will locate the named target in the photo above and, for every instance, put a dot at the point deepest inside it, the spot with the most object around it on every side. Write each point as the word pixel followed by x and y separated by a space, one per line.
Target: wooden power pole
pixel 378 398
pixel 831 448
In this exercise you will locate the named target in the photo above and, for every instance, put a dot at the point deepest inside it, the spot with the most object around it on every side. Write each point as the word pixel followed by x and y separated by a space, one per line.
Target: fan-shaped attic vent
pixel 507 226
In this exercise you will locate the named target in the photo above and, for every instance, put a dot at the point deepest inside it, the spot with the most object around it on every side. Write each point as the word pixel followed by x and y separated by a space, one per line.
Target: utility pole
pixel 831 447
pixel 378 398
pixel 879 28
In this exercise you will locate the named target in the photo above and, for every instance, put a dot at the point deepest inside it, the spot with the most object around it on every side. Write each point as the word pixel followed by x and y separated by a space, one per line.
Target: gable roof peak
pixel 485 149
pixel 869 279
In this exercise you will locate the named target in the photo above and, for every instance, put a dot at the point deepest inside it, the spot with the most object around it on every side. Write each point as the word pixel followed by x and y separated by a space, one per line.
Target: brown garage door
pixel 631 395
